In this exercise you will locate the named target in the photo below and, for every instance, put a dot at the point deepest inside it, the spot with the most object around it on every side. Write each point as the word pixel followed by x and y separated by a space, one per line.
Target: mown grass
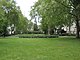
pixel 39 49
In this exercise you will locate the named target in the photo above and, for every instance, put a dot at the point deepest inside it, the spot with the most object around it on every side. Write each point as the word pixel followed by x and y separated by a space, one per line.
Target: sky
pixel 25 6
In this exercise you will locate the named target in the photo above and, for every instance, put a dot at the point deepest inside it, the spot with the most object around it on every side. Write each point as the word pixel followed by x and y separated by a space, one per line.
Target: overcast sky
pixel 25 6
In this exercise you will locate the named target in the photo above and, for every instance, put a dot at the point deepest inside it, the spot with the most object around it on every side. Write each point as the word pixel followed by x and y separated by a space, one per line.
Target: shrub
pixel 34 32
pixel 45 36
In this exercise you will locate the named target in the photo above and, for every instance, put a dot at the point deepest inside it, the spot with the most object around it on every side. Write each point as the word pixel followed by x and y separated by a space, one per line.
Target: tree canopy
pixel 10 14
pixel 56 13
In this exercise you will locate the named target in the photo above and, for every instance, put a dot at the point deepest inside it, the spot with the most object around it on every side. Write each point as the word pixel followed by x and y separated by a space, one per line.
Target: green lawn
pixel 39 49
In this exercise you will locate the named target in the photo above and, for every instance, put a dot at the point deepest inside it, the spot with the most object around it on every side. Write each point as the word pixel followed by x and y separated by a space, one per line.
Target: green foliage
pixel 52 12
pixel 11 14
pixel 55 13
pixel 76 13
pixel 22 24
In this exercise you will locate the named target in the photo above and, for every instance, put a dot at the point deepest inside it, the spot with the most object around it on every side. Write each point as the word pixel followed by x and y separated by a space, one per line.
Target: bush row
pixel 50 36
pixel 34 32
pixel 67 34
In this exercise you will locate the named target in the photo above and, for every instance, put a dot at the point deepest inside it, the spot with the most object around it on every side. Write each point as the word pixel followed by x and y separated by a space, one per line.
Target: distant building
pixel 72 29
pixel 11 29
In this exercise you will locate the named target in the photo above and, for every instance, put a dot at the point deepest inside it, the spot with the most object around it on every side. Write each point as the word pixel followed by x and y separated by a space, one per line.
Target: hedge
pixel 48 36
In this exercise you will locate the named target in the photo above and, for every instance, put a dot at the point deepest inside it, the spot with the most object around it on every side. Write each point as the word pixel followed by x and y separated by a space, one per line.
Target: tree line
pixel 10 14
pixel 57 13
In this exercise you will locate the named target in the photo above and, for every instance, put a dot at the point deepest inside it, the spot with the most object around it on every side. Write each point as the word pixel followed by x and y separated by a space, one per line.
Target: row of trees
pixel 10 14
pixel 57 13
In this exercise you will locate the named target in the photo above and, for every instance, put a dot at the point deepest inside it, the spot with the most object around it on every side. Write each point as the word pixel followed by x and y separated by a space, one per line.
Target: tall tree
pixel 58 13
pixel 10 14
pixel 76 12
pixel 51 13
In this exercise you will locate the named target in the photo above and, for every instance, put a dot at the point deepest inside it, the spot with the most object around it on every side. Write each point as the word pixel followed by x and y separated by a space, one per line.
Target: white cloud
pixel 25 6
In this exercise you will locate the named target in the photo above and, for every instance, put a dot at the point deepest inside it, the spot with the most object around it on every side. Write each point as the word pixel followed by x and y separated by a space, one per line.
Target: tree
pixel 55 13
pixel 10 14
pixel 76 12
pixel 51 13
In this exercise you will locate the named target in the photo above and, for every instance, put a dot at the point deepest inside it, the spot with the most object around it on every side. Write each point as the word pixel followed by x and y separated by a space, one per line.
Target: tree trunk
pixel 5 31
pixel 48 30
pixel 69 30
pixel 77 29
